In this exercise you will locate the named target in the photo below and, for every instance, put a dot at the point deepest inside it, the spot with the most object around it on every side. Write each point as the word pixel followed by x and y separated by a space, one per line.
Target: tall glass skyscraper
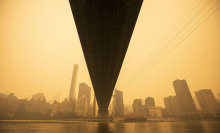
pixel 73 83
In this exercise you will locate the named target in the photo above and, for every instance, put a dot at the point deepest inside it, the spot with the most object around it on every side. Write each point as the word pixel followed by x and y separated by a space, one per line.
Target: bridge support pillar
pixel 103 113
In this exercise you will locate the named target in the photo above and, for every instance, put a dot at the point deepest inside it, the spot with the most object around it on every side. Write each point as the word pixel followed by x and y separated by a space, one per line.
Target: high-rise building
pixel 84 89
pixel 82 106
pixel 73 83
pixel 137 106
pixel 171 106
pixel 207 101
pixel 184 97
pixel 149 102
pixel 118 106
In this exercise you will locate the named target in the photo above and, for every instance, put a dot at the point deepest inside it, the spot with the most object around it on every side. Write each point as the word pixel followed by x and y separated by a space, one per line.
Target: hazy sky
pixel 39 45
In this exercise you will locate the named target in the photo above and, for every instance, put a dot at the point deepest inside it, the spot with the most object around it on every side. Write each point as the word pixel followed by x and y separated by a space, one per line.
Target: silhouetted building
pixel 12 96
pixel 171 105
pixel 54 108
pixel 82 106
pixel 207 101
pixel 118 106
pixel 8 105
pixel 37 104
pixel 67 106
pixel 137 106
pixel 154 112
pixel 35 109
pixel 38 97
pixel 85 90
pixel 73 83
pixel 2 95
pixel 184 97
pixel 127 109
pixel 149 102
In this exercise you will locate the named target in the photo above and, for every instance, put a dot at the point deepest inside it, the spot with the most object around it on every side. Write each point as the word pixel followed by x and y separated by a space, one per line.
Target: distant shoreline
pixel 39 121
pixel 78 121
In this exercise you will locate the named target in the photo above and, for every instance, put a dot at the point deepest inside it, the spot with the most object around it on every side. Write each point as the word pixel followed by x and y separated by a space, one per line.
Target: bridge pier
pixel 103 113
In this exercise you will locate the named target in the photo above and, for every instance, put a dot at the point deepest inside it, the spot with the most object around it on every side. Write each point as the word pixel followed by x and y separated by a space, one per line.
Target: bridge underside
pixel 105 28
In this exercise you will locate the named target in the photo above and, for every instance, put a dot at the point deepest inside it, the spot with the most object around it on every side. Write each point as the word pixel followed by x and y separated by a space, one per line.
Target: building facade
pixel 137 106
pixel 85 90
pixel 67 106
pixel 154 112
pixel 82 106
pixel 171 105
pixel 149 102
pixel 118 105
pixel 207 101
pixel 184 97
pixel 38 97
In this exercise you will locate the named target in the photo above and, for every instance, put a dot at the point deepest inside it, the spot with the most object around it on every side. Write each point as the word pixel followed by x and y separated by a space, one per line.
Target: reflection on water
pixel 120 127
pixel 143 127
pixel 190 126
pixel 103 128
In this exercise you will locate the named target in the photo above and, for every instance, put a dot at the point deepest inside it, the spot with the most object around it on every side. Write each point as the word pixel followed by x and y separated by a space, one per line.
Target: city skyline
pixel 175 106
pixel 148 101
pixel 41 55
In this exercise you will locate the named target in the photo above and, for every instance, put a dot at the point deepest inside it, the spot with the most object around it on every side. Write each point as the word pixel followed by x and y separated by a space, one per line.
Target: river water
pixel 142 127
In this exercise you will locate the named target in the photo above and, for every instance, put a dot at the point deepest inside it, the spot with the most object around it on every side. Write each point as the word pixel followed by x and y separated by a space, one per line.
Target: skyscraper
pixel 73 83
pixel 118 103
pixel 184 97
pixel 84 89
pixel 149 102
pixel 137 106
pixel 172 106
pixel 207 101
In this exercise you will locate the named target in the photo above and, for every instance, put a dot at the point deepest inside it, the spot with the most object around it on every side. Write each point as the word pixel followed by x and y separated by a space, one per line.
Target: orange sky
pixel 39 45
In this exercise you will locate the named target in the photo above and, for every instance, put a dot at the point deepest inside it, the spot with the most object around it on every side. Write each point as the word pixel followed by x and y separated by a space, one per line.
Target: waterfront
pixel 95 127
